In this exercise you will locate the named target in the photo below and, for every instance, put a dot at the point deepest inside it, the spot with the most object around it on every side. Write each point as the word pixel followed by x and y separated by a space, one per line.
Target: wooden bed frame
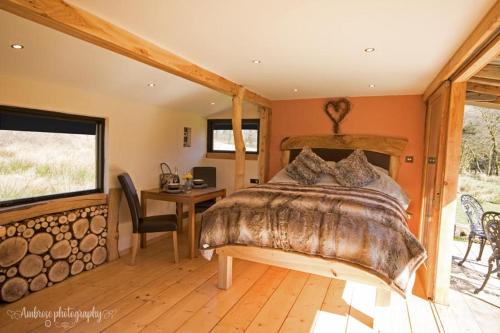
pixel 392 147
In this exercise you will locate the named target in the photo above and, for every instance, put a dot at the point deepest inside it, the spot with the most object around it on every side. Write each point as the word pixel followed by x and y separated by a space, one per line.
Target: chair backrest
pixel 209 174
pixel 491 225
pixel 474 212
pixel 132 199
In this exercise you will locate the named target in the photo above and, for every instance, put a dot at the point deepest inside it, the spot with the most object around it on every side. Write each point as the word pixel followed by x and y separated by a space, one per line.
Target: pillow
pixel 354 171
pixel 307 167
pixel 282 177
pixel 389 186
pixel 384 171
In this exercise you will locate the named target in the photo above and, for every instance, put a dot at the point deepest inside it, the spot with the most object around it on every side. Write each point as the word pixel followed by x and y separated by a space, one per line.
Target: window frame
pixel 245 123
pixel 100 154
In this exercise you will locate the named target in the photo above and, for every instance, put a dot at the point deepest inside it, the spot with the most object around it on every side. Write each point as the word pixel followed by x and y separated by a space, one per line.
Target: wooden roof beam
pixel 488 82
pixel 73 21
pixel 489 72
pixel 489 105
pixel 483 89
pixel 477 97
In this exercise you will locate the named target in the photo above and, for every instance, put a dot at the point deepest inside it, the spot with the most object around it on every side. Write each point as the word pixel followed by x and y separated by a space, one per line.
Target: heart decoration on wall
pixel 336 110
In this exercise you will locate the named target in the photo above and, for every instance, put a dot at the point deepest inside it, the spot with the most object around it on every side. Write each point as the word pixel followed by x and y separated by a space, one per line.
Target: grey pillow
pixel 354 171
pixel 307 167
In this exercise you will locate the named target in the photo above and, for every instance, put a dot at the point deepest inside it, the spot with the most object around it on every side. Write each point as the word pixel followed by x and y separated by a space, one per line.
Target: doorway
pixel 443 151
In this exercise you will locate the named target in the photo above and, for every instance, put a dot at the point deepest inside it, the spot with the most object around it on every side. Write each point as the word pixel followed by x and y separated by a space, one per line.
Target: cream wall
pixel 225 168
pixel 138 137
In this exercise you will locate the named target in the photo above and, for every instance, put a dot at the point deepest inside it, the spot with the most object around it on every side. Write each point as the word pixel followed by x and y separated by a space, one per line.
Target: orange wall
pixel 398 116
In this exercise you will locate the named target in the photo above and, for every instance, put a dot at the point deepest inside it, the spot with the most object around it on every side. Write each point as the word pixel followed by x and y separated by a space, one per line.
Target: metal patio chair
pixel 474 212
pixel 491 224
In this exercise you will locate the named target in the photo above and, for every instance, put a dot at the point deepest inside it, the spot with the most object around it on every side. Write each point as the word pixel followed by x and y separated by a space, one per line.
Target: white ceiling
pixel 315 46
pixel 49 55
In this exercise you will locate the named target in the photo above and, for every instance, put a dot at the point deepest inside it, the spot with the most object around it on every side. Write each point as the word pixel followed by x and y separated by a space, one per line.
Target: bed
pixel 281 248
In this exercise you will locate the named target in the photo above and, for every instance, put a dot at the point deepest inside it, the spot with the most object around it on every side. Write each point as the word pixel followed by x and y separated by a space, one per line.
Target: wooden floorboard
pixel 301 316
pixel 243 313
pixel 362 311
pixel 334 310
pixel 157 295
pixel 275 311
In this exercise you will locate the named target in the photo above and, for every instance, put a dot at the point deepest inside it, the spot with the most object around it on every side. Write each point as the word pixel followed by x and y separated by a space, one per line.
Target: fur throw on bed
pixel 362 227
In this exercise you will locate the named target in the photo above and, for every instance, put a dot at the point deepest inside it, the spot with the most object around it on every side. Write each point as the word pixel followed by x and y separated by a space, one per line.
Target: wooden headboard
pixel 382 151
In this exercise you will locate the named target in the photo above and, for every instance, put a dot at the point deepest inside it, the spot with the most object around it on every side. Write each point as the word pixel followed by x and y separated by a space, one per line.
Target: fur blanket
pixel 362 227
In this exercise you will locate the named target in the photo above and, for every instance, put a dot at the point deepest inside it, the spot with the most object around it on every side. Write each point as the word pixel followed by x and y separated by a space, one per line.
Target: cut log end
pixel 80 228
pixel 31 266
pixel 12 250
pixel 39 282
pixel 13 289
pixel 61 250
pixel 59 271
pixel 41 243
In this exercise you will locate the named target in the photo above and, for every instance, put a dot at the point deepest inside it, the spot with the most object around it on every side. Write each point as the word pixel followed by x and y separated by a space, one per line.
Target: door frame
pixel 449 155
pixel 432 231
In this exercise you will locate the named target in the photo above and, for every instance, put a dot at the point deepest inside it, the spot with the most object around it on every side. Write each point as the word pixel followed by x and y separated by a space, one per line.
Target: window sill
pixel 26 211
pixel 230 156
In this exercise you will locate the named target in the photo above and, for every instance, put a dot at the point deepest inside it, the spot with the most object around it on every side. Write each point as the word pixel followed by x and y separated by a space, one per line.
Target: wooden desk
pixel 190 199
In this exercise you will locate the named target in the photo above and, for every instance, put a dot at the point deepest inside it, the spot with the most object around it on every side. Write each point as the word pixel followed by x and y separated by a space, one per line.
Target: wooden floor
pixel 158 296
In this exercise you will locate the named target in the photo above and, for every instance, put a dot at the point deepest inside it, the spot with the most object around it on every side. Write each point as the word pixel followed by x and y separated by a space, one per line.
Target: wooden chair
pixel 143 225
pixel 474 212
pixel 491 225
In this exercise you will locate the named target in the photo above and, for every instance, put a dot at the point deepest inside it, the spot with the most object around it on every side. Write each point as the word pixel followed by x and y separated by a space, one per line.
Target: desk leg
pixel 192 231
pixel 144 208
pixel 179 213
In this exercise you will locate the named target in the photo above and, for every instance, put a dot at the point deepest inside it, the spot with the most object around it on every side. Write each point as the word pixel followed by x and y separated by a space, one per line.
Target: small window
pixel 48 155
pixel 220 136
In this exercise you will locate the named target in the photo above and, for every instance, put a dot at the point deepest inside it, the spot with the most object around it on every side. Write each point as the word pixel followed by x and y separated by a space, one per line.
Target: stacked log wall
pixel 38 252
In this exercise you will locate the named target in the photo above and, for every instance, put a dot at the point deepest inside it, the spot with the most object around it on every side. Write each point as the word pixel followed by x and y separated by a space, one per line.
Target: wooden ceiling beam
pixel 488 105
pixel 489 82
pixel 482 33
pixel 73 21
pixel 489 72
pixel 487 55
pixel 483 89
pixel 477 97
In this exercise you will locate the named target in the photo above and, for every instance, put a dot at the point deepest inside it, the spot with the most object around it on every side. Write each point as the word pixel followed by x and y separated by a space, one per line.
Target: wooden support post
pixel 225 273
pixel 264 139
pixel 114 200
pixel 239 160
pixel 449 186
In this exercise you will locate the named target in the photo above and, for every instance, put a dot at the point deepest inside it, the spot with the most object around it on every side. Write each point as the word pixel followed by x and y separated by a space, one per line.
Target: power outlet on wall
pixel 409 159
pixel 254 181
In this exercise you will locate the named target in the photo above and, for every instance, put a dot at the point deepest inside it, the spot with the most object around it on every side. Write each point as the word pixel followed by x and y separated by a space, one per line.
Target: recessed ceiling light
pixel 372 86
pixel 295 90
pixel 256 61
pixel 17 46
pixel 212 103
pixel 151 85
pixel 370 50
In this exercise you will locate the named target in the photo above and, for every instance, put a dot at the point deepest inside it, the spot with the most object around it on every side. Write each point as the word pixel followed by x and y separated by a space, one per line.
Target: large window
pixel 45 155
pixel 220 136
